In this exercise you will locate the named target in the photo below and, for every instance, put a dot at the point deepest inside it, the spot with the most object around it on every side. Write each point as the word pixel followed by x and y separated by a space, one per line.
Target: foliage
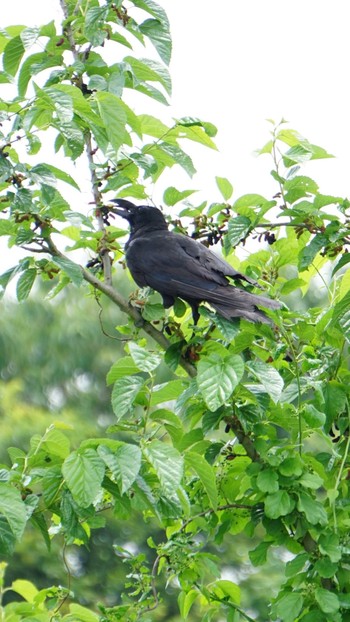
pixel 278 391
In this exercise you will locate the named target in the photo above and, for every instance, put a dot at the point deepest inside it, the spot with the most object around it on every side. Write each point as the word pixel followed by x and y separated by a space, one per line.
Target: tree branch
pixel 124 306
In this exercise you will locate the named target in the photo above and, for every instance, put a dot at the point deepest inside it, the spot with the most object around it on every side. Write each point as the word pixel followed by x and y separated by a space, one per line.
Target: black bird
pixel 177 266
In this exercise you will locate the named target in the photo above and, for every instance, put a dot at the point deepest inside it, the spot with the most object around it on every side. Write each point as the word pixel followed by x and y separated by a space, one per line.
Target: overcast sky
pixel 236 63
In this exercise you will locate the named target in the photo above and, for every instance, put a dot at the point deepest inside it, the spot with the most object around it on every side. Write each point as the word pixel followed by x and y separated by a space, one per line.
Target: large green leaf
pixel 13 517
pixel 288 607
pixel 218 377
pixel 225 187
pixel 62 175
pixel 13 53
pixel 205 473
pixel 123 367
pixel 94 28
pixel 159 34
pixel 167 463
pixel 146 70
pixel 309 252
pixel 143 359
pixel 113 116
pixel 84 471
pixel 172 196
pixel 313 510
pixel 278 504
pixel 124 392
pixel 25 284
pixel 70 268
pixel 328 602
pixel 269 378
pixel 124 463
pixel 237 229
pixel 166 392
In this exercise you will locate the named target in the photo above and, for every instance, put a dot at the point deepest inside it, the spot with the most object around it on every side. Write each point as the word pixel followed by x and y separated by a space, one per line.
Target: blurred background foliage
pixel 53 367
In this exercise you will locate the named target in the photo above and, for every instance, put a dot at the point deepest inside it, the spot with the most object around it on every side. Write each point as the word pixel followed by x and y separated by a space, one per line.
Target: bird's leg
pixel 195 312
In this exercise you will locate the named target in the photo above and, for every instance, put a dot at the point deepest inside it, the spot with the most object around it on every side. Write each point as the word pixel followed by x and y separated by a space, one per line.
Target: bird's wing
pixel 209 260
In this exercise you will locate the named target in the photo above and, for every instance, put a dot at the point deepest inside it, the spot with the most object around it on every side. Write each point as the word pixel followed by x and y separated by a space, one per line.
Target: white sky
pixel 236 63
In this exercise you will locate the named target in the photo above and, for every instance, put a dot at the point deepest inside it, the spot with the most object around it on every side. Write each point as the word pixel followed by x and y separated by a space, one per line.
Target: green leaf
pixel 94 27
pixel 196 132
pixel 25 588
pixel 12 56
pixel 62 102
pixel 146 70
pixel 226 590
pixel 42 174
pixel 326 569
pixel 288 607
pixel 278 504
pixel 267 481
pixel 71 269
pixel 291 466
pixel 341 315
pixel 159 34
pixel 56 443
pixel 172 196
pixel 313 510
pixel 328 601
pixel 145 361
pixel 225 187
pixel 153 9
pixel 237 229
pixel 84 471
pixel 205 473
pixel 124 463
pixel 344 259
pixel 72 97
pixel 296 565
pixel 208 128
pixel 178 155
pixel 186 600
pixel 269 378
pixel 296 155
pixel 124 393
pixel 258 555
pixel 311 480
pixel 249 200
pixel 62 175
pixel 123 367
pixel 167 392
pixel 344 599
pixel 313 417
pixel 29 36
pixel 309 252
pixel 25 284
pixel 227 372
pixel 329 545
pixel 167 463
pixel 291 285
pixel 13 517
pixel 81 614
pixel 113 116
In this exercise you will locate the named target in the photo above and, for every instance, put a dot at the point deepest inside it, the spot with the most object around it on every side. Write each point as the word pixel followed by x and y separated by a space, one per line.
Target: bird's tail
pixel 240 303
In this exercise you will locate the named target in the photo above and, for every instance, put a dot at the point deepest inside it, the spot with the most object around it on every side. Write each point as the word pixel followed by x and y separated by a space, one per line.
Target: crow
pixel 177 266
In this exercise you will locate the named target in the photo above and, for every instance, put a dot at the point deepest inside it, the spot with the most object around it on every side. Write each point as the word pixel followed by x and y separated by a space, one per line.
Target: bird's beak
pixel 118 210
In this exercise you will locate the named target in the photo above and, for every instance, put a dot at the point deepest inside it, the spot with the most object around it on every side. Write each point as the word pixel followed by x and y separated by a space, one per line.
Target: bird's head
pixel 138 216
